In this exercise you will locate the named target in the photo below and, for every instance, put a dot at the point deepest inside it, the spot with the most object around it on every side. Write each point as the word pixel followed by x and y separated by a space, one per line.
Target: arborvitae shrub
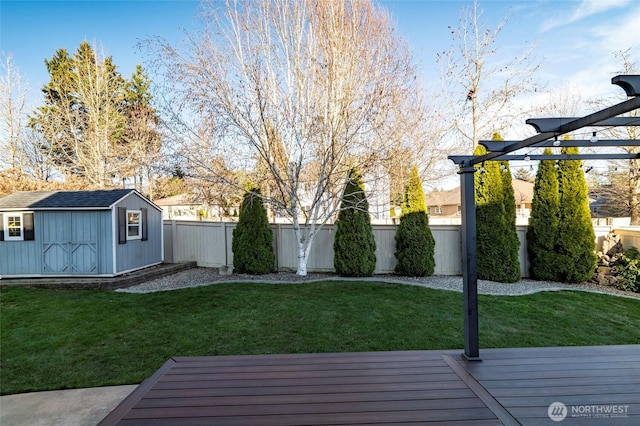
pixel 252 242
pixel 415 244
pixel 576 240
pixel 542 233
pixel 495 250
pixel 512 242
pixel 354 245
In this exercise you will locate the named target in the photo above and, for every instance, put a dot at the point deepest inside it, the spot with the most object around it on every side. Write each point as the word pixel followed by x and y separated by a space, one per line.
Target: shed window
pixel 134 225
pixel 17 227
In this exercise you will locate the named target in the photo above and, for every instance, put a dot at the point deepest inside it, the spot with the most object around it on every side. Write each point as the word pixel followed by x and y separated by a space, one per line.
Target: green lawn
pixel 56 339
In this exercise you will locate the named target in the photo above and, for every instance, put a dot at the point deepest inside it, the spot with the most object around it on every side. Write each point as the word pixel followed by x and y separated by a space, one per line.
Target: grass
pixel 57 339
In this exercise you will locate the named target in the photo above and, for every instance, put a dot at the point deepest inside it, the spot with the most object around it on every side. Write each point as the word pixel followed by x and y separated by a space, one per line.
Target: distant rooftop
pixel 522 191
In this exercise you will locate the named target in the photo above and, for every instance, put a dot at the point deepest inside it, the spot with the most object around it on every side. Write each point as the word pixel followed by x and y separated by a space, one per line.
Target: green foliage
pixel 632 253
pixel 627 269
pixel 512 242
pixel 415 244
pixel 414 199
pixel 497 253
pixel 252 243
pixel 576 240
pixel 542 233
pixel 354 245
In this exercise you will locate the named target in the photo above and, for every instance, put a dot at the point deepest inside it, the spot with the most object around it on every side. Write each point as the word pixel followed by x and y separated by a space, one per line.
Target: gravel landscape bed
pixel 207 276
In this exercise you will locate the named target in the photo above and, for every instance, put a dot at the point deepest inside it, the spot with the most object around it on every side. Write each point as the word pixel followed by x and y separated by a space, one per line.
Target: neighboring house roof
pixel 444 198
pixel 47 200
pixel 522 191
pixel 180 200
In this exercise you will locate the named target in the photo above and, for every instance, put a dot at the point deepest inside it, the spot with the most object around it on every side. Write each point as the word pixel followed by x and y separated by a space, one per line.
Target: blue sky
pixel 575 39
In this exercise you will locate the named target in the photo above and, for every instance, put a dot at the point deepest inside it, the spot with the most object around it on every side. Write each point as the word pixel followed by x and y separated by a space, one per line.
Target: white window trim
pixel 139 236
pixel 437 210
pixel 5 226
pixel 459 210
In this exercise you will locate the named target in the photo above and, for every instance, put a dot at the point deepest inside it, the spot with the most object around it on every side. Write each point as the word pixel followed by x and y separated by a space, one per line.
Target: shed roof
pixel 42 200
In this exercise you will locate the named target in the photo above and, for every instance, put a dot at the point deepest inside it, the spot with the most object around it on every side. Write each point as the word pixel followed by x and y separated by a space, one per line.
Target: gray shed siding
pixel 135 254
pixel 22 257
pixel 65 243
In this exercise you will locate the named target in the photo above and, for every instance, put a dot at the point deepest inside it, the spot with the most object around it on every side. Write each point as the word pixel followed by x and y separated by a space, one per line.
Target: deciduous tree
pixel 310 88
pixel 480 82
pixel 13 114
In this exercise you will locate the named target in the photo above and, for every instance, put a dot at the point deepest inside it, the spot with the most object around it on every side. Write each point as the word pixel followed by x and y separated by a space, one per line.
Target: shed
pixel 78 233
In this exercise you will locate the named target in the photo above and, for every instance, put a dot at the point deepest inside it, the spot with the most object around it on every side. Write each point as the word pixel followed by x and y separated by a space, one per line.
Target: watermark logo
pixel 557 411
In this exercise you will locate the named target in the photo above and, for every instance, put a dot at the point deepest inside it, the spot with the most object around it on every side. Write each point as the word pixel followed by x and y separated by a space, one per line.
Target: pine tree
pixel 542 233
pixel 494 248
pixel 415 244
pixel 252 242
pixel 576 238
pixel 354 245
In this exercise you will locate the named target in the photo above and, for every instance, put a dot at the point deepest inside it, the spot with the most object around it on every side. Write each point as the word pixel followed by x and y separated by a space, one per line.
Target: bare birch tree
pixel 310 88
pixel 13 115
pixel 478 85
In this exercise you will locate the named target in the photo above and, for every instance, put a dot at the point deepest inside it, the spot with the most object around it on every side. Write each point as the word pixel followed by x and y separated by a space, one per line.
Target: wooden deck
pixel 599 384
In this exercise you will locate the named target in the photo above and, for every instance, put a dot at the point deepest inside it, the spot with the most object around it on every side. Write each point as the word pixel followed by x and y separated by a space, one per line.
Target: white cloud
pixel 583 10
pixel 622 35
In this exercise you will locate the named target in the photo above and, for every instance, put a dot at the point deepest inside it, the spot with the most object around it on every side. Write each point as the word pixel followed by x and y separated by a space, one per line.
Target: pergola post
pixel 548 128
pixel 469 269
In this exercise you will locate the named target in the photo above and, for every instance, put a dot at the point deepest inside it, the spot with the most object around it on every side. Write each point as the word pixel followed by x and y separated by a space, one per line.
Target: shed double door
pixel 70 243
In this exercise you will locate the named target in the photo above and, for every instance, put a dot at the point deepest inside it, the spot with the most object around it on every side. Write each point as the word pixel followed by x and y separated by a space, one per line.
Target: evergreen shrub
pixel 575 245
pixel 415 244
pixel 354 245
pixel 542 233
pixel 497 253
pixel 252 242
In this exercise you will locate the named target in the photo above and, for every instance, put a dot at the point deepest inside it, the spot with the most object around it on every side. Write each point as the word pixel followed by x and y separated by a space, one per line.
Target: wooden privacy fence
pixel 209 244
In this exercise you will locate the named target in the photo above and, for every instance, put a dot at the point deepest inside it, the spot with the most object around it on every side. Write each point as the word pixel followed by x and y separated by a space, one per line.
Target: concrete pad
pixel 78 407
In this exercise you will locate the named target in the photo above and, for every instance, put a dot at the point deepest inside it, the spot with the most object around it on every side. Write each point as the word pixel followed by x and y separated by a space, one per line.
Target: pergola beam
pixel 588 120
pixel 500 146
pixel 462 159
pixel 629 83
pixel 543 125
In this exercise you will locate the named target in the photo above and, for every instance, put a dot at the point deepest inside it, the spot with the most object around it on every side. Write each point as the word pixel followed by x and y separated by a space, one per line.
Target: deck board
pixel 509 386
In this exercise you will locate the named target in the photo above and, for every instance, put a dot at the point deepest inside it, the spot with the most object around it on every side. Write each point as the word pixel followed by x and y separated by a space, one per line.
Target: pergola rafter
pixel 548 128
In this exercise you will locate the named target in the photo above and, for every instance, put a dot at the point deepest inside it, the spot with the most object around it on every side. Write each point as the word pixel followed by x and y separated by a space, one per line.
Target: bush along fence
pixel 209 244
